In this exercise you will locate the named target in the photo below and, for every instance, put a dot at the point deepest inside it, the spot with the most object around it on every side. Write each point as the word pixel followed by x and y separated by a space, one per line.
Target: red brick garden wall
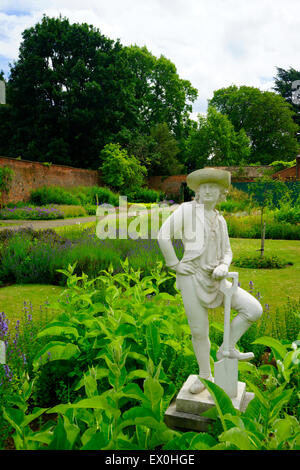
pixel 171 184
pixel 31 175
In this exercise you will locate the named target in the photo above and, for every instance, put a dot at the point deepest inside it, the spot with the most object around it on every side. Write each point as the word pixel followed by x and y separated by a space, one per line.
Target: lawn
pixel 274 285
pixel 12 300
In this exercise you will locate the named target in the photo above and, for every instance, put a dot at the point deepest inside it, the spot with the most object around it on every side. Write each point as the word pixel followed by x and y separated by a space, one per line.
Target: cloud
pixel 212 43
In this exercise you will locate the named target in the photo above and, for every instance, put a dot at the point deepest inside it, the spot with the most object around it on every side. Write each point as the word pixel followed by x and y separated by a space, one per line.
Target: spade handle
pixel 228 292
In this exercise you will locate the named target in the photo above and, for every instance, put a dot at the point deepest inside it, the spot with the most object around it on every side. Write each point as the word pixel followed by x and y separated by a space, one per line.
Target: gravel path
pixel 44 224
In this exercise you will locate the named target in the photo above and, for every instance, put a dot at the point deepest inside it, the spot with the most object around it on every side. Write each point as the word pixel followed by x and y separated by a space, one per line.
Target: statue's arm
pixel 227 258
pixel 171 226
pixel 221 271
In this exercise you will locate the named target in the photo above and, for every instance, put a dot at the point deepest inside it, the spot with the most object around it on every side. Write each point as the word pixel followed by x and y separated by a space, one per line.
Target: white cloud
pixel 212 43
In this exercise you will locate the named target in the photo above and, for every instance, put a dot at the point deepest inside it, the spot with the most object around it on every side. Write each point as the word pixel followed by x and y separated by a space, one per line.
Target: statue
pixel 205 263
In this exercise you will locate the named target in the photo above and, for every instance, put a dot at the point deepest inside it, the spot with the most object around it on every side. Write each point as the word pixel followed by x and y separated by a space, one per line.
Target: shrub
pixel 71 211
pixel 120 170
pixel 90 209
pixel 53 195
pixel 103 195
pixel 25 260
pixel 250 227
pixel 231 205
pixel 288 214
pixel 146 195
pixel 260 262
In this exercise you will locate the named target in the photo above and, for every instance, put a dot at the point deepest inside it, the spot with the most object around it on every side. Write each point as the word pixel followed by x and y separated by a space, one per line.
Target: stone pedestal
pixel 185 411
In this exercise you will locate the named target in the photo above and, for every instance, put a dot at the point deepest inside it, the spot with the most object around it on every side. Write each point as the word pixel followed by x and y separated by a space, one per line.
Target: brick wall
pixel 171 184
pixel 31 175
pixel 291 174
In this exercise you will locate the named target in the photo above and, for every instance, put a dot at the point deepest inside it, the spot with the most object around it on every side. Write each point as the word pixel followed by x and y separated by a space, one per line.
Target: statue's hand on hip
pixel 185 269
pixel 220 271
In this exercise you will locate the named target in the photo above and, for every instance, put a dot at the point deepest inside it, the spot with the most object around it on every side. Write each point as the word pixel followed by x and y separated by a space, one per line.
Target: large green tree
pixel 266 117
pixel 160 94
pixel 73 90
pixel 64 93
pixel 287 84
pixel 214 142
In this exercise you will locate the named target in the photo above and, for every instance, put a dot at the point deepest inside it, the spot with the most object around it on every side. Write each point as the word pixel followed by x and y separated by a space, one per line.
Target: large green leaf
pixel 36 413
pixel 253 409
pixel 238 437
pixel 58 329
pixel 45 437
pixel 202 441
pixel 272 343
pixel 72 431
pixel 97 403
pixel 222 401
pixel 137 374
pixel 259 395
pixel 140 415
pixel 98 441
pixel 278 402
pixel 14 417
pixel 153 390
pixel 56 350
pixel 132 390
pixel 100 372
pixel 153 343
pixel 59 440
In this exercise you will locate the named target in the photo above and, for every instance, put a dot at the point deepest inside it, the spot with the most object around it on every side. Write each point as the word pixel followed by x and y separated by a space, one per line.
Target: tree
pixel 160 94
pixel 73 90
pixel 121 171
pixel 287 84
pixel 266 118
pixel 157 151
pixel 214 142
pixel 164 152
pixel 64 92
pixel 265 191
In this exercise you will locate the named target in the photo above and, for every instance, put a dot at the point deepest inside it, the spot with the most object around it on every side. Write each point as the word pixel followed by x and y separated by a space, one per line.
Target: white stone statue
pixel 206 260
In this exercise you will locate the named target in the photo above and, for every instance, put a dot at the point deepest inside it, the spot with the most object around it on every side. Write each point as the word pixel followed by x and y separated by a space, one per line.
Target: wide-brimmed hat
pixel 208 175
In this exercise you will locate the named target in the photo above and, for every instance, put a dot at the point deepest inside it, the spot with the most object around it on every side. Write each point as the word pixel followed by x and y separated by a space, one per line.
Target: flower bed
pixel 31 213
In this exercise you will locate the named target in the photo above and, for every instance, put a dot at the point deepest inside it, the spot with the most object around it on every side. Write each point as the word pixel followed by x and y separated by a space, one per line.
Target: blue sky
pixel 213 43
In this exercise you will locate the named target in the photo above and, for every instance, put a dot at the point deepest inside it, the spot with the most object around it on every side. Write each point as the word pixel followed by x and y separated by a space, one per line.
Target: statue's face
pixel 208 193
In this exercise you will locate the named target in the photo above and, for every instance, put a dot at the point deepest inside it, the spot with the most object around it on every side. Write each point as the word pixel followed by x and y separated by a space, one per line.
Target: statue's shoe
pixel 197 386
pixel 235 354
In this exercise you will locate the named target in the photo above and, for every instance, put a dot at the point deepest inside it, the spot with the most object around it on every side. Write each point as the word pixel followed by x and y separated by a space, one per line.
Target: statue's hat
pixel 208 175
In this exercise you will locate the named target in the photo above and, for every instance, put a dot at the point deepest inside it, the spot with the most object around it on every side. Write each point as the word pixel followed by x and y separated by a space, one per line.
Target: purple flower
pixel 4 322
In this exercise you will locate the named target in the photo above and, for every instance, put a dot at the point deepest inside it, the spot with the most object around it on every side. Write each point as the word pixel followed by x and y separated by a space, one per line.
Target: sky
pixel 213 43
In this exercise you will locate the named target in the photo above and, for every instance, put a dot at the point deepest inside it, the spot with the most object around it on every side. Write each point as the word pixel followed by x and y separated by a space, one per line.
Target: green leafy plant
pixel 120 388
pixel 120 170
pixel 255 262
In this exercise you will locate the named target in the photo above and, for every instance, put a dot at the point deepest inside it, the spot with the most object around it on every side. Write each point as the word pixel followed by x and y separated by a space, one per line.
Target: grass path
pixel 12 300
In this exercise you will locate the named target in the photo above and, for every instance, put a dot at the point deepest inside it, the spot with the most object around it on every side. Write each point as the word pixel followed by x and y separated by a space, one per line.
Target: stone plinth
pixel 185 411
